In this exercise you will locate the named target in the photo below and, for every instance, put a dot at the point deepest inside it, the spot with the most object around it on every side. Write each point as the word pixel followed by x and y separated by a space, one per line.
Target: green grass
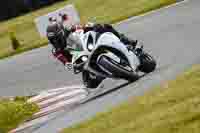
pixel 12 113
pixel 105 11
pixel 172 107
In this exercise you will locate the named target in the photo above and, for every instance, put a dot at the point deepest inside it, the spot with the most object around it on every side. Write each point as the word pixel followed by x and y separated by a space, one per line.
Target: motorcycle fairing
pixel 108 39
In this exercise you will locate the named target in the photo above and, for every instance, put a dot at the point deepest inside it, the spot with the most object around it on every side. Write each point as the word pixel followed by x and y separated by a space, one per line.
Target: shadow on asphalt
pixel 158 70
pixel 112 90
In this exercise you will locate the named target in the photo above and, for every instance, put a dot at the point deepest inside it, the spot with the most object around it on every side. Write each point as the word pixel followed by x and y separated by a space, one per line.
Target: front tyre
pixel 147 63
pixel 116 69
pixel 90 80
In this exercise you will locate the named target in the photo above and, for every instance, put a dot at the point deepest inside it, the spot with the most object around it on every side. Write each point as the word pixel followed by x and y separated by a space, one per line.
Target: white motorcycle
pixel 105 56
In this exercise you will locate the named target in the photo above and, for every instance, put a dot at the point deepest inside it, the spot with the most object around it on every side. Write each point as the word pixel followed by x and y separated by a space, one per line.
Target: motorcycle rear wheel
pixel 147 63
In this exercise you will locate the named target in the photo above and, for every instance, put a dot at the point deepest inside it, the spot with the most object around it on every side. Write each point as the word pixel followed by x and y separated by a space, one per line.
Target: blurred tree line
pixel 13 8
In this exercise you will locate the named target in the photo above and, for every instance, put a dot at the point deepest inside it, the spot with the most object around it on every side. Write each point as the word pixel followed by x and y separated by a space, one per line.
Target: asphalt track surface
pixel 171 35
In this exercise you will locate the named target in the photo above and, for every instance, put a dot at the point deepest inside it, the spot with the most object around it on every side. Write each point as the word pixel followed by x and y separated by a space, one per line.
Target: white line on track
pixel 52 101
pixel 44 95
pixel 152 12
pixel 62 97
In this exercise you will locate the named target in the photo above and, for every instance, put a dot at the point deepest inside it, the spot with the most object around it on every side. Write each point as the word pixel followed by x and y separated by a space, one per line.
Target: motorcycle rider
pixel 57 38
pixel 58 35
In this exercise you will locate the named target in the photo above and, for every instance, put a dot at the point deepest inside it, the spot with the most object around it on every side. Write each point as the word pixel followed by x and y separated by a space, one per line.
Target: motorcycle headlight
pixel 90 46
pixel 84 58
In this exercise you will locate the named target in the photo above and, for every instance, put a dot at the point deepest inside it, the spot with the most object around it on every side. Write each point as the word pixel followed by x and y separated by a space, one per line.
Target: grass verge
pixel 105 11
pixel 12 113
pixel 173 107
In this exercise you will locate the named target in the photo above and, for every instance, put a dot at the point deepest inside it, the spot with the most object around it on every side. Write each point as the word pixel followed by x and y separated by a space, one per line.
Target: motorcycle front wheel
pixel 90 80
pixel 116 69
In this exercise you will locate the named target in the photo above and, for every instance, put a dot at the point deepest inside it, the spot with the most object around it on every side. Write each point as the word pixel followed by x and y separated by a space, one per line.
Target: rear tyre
pixel 90 80
pixel 147 63
pixel 116 69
